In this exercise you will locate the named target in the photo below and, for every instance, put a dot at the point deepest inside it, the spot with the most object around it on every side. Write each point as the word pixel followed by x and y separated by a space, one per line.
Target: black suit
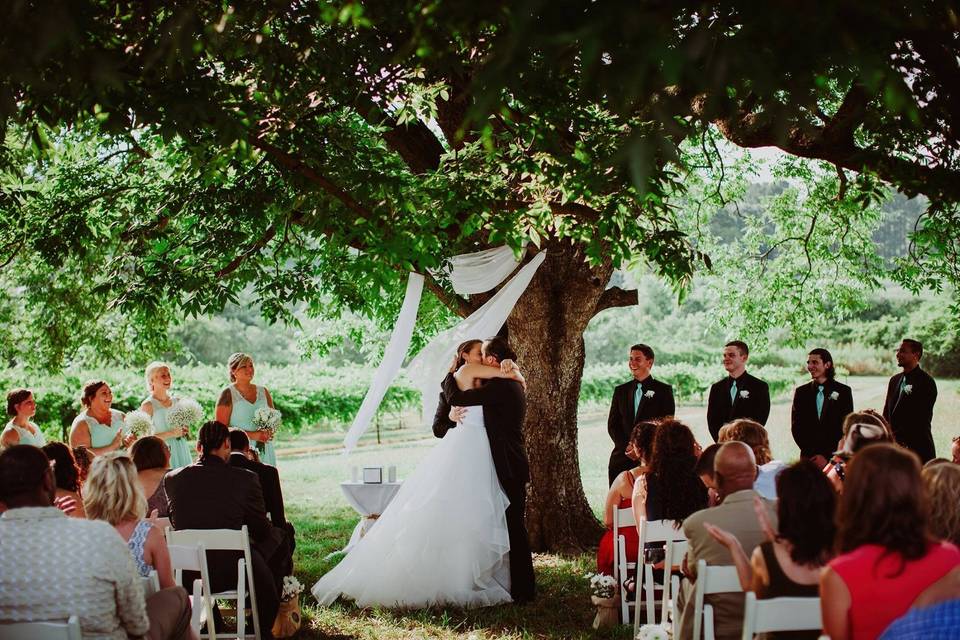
pixel 819 435
pixel 621 420
pixel 751 401
pixel 272 492
pixel 441 420
pixel 211 494
pixel 504 407
pixel 911 413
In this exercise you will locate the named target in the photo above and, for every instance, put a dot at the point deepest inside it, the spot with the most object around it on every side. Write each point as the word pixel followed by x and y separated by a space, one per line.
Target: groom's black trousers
pixel 522 585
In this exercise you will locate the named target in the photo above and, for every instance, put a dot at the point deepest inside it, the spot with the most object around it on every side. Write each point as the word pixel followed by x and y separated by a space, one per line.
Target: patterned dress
pixel 241 417
pixel 180 454
pixel 137 539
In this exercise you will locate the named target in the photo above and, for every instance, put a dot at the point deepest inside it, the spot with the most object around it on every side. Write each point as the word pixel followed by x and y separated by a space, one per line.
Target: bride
pixel 443 539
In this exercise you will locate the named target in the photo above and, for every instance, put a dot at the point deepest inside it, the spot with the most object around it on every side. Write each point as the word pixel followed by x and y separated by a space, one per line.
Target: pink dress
pixel 882 588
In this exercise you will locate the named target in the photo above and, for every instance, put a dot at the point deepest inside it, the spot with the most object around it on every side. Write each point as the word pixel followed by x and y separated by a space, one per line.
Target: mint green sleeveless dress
pixel 28 438
pixel 102 435
pixel 241 417
pixel 180 454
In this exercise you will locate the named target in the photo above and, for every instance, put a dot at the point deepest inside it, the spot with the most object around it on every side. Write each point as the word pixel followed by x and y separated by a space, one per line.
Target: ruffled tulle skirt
pixel 442 541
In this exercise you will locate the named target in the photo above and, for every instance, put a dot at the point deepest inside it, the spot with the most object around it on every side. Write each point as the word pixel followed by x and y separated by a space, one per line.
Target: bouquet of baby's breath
pixel 652 632
pixel 186 413
pixel 291 588
pixel 602 585
pixel 266 419
pixel 138 423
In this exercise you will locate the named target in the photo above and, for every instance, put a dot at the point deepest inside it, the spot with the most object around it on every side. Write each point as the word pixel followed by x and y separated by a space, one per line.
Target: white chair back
pixel 780 614
pixel 151 583
pixel 664 531
pixel 194 558
pixel 226 540
pixel 710 580
pixel 622 518
pixel 673 557
pixel 69 630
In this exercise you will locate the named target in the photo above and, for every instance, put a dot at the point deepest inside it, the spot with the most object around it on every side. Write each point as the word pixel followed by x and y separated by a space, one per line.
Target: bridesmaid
pixel 21 406
pixel 241 399
pixel 98 427
pixel 157 405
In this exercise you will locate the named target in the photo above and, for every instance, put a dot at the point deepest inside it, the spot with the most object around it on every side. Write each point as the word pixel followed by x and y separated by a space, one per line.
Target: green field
pixel 324 522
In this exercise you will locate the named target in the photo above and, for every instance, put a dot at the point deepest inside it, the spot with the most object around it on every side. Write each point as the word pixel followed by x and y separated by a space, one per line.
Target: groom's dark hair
pixel 499 349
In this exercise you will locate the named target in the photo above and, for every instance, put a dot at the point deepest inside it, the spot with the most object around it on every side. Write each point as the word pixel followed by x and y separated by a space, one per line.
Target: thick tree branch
pixel 414 142
pixel 455 303
pixel 617 297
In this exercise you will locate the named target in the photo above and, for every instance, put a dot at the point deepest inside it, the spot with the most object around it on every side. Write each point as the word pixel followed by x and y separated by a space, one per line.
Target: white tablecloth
pixel 369 500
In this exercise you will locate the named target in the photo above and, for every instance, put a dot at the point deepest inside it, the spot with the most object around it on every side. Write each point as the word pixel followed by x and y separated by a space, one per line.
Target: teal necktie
pixel 819 400
pixel 637 397
pixel 903 383
pixel 733 391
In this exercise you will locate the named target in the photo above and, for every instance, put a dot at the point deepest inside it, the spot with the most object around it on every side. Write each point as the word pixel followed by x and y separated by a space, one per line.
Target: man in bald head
pixel 735 470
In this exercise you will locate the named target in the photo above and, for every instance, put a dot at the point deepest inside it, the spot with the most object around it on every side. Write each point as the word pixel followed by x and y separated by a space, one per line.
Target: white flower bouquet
pixel 291 588
pixel 652 632
pixel 602 585
pixel 266 419
pixel 288 619
pixel 185 414
pixel 603 589
pixel 138 423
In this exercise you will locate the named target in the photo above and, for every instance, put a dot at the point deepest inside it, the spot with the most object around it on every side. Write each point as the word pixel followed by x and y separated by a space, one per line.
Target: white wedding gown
pixel 442 541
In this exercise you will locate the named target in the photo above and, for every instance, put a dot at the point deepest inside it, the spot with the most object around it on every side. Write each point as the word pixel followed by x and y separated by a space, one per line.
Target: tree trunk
pixel 546 330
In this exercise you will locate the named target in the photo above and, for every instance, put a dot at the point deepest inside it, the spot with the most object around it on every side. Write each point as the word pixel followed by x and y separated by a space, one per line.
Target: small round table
pixel 369 500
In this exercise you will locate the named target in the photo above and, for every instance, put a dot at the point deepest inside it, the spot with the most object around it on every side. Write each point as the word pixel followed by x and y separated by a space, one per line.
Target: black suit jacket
pixel 621 420
pixel 755 405
pixel 441 421
pixel 504 407
pixel 911 414
pixel 819 435
pixel 269 483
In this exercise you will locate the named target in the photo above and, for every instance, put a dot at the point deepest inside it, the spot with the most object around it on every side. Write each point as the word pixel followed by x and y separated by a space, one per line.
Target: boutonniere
pixel 744 394
pixel 835 395
pixel 908 389
pixel 649 394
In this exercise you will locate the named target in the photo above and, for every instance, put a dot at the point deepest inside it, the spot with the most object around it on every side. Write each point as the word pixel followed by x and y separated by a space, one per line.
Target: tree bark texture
pixel 546 330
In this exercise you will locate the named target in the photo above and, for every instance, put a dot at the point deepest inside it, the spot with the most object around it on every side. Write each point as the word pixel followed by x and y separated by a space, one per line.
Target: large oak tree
pixel 161 156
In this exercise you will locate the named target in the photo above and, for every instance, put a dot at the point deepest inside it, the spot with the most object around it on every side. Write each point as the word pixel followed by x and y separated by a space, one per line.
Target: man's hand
pixel 457 414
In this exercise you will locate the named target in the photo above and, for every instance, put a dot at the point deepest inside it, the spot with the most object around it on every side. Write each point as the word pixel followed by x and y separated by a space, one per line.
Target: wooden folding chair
pixel 780 614
pixel 46 630
pixel 710 580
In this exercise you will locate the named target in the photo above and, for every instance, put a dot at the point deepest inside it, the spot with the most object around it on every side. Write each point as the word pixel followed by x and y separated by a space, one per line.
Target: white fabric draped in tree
pixel 429 367
pixel 392 361
pixel 470 273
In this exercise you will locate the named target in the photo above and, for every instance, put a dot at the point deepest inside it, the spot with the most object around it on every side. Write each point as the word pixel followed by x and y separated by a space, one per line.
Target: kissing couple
pixel 454 534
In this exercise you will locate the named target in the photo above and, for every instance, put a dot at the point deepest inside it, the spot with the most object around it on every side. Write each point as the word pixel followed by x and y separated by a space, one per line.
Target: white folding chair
pixel 710 580
pixel 151 583
pixel 654 531
pixel 673 556
pixel 69 630
pixel 622 518
pixel 194 558
pixel 226 540
pixel 780 614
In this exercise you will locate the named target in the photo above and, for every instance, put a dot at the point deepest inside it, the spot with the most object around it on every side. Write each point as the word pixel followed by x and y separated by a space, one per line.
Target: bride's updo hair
pixel 462 350
pixel 499 349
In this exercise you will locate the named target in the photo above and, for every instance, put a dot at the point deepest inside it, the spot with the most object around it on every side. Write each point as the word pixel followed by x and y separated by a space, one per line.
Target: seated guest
pixel 269 479
pixel 53 567
pixel 942 483
pixel 859 430
pixel 638 450
pixel 671 489
pixel 705 472
pixel 886 557
pixel 755 436
pixel 20 430
pixel 83 457
pixel 789 562
pixel 66 475
pixel 935 614
pixel 152 459
pixel 211 494
pixel 735 472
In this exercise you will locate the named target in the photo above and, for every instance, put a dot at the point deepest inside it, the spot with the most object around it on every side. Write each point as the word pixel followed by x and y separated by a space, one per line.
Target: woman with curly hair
pixel 942 482
pixel 752 434
pixel 790 561
pixel 66 475
pixel 671 489
pixel 886 557
pixel 619 496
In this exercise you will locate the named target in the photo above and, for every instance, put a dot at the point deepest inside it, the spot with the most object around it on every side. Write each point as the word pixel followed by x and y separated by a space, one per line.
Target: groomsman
pixel 739 395
pixel 819 407
pixel 643 398
pixel 910 399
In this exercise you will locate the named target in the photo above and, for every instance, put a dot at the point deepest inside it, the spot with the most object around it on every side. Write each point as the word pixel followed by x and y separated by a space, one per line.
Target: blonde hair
pixel 752 434
pixel 236 361
pixel 112 491
pixel 152 368
pixel 942 482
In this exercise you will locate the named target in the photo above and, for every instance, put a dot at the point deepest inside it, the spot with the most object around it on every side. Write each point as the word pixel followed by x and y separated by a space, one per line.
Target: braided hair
pixel 211 436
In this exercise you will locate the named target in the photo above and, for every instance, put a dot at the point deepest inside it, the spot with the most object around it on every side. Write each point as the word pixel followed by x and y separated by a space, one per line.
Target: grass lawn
pixel 312 470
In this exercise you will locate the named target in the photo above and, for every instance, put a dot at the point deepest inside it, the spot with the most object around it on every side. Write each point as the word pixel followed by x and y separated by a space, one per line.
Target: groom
pixel 504 406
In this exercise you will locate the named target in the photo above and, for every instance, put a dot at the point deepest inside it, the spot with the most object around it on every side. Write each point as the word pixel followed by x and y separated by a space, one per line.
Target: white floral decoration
pixel 652 632
pixel 835 395
pixel 185 413
pixel 744 394
pixel 602 585
pixel 908 389
pixel 291 588
pixel 138 423
pixel 650 394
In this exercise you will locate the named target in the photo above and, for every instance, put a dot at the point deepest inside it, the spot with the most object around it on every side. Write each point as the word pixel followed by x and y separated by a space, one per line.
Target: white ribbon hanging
pixel 392 361
pixel 471 273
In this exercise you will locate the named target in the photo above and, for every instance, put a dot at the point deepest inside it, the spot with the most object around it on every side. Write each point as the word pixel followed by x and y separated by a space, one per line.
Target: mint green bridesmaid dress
pixel 101 435
pixel 180 454
pixel 241 417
